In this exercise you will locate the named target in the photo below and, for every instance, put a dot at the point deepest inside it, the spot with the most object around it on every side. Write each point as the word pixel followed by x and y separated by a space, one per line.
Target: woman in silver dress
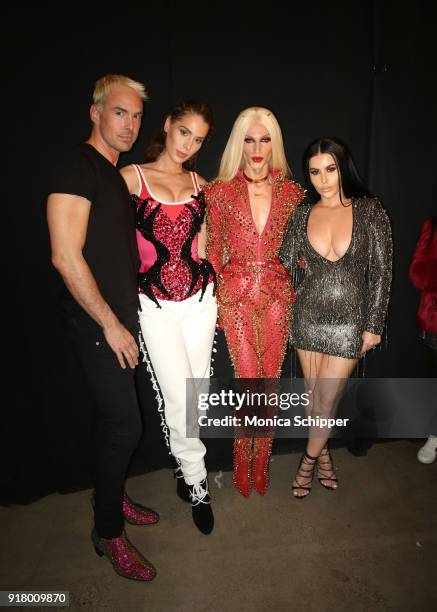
pixel 338 249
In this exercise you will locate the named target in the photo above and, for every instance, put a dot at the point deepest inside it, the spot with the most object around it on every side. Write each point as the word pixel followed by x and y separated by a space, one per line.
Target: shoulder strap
pixel 195 181
pixel 142 185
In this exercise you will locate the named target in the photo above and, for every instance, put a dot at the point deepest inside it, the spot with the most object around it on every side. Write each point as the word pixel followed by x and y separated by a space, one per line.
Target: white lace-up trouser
pixel 179 339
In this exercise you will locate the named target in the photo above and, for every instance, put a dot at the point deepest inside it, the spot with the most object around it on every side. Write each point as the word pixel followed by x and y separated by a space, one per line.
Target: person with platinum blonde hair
pixel 93 245
pixel 105 83
pixel 232 159
pixel 248 209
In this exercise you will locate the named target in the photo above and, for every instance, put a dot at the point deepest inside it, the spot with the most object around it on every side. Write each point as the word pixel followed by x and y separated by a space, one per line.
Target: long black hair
pixel 185 107
pixel 350 180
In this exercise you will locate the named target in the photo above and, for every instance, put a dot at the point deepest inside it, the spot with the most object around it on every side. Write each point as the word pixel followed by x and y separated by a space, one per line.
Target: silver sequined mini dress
pixel 337 300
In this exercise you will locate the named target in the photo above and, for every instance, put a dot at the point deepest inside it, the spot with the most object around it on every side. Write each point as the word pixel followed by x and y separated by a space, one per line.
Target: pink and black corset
pixel 167 243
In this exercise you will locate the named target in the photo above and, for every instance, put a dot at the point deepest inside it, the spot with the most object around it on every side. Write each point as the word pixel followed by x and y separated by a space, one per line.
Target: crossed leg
pixel 325 377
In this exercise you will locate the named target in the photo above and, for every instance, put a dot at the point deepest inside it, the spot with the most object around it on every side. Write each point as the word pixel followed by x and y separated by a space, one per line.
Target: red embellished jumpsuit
pixel 254 290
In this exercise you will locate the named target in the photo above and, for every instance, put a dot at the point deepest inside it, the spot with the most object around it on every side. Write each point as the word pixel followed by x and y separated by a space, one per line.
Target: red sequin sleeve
pixel 296 193
pixel 215 198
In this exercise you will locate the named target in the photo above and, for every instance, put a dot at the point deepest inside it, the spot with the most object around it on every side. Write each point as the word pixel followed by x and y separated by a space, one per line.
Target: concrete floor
pixel 369 546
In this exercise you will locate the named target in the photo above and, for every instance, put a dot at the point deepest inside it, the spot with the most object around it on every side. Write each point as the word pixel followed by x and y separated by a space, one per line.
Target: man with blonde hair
pixel 93 243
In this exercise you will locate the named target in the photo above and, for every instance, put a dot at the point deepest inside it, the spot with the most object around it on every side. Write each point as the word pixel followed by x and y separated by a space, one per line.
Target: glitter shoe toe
pixel 126 560
pixel 136 514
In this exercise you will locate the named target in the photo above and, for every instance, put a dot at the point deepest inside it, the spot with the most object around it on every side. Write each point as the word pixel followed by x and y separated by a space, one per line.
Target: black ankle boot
pixel 201 509
pixel 182 489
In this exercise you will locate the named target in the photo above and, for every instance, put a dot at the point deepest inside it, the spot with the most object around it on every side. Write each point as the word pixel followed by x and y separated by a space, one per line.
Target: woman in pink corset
pixel 176 286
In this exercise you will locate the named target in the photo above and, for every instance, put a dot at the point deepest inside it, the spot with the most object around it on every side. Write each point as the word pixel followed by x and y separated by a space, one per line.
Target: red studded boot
pixel 242 465
pixel 262 449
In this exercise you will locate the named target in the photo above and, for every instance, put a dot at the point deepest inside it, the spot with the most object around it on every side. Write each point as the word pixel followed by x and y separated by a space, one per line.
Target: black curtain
pixel 361 71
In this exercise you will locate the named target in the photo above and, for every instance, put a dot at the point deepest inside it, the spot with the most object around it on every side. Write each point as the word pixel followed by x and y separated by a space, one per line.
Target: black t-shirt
pixel 110 248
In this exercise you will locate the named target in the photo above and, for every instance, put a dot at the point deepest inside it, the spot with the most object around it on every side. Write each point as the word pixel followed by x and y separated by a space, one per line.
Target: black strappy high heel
pixel 305 471
pixel 325 464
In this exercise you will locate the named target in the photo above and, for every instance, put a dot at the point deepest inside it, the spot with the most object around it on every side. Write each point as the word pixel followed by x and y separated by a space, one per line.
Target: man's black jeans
pixel 118 419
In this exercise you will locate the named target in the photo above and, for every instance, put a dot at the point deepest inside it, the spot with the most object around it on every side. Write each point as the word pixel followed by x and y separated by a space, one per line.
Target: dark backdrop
pixel 358 70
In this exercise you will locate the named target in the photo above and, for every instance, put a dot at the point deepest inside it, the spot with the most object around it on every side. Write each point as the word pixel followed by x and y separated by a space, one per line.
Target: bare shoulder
pixel 150 168
pixel 127 170
pixel 202 181
pixel 130 177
